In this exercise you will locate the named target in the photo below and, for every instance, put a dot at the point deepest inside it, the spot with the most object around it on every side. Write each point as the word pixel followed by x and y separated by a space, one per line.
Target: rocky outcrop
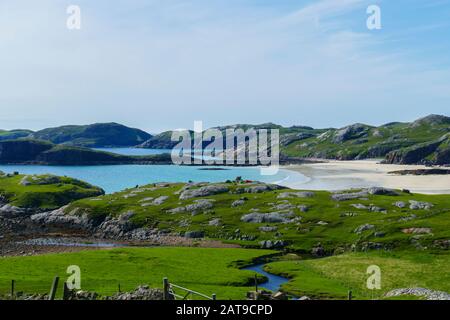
pixel 419 292
pixel 300 194
pixel 354 131
pixel 205 191
pixel 272 217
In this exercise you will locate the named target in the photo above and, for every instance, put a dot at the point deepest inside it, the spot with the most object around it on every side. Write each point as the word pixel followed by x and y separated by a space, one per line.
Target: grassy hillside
pixel 332 277
pixel 14 134
pixel 205 270
pixel 31 151
pixel 425 140
pixel 393 140
pixel 95 135
pixel 300 220
pixel 43 191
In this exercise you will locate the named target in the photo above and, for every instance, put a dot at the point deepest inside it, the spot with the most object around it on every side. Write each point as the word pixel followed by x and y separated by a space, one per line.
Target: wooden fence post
pixel 166 289
pixel 350 296
pixel 12 288
pixel 66 291
pixel 54 288
pixel 256 283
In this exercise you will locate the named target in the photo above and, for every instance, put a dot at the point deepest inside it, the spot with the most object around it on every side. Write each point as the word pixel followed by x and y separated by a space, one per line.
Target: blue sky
pixel 161 64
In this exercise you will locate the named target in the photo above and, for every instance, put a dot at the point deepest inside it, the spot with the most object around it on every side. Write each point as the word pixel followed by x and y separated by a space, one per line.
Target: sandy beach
pixel 338 175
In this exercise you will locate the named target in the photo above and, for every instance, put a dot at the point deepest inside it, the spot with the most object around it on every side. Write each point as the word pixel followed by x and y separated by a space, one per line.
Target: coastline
pixel 338 175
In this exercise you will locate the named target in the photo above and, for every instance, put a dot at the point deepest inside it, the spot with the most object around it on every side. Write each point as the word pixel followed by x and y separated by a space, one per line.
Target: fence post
pixel 350 296
pixel 256 282
pixel 54 288
pixel 166 289
pixel 12 288
pixel 66 291
pixel 214 296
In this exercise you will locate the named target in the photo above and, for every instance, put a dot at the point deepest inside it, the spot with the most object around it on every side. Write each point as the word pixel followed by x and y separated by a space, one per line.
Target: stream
pixel 273 283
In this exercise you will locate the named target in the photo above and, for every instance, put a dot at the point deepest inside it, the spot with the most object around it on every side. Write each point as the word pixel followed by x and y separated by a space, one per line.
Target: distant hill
pixel 29 151
pixel 424 141
pixel 94 135
pixel 14 134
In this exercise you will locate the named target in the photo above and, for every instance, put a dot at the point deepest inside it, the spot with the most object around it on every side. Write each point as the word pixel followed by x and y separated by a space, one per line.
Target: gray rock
pixel 420 292
pixel 363 228
pixel 303 208
pixel 269 244
pixel 268 229
pixel 214 222
pixel 359 206
pixel 300 194
pixel 418 205
pixel 160 200
pixel 238 203
pixel 141 293
pixel 262 188
pixel 382 191
pixel 351 132
pixel 273 217
pixel 417 230
pixel 400 204
pixel 205 191
pixel 194 234
pixel 200 205
pixel 349 195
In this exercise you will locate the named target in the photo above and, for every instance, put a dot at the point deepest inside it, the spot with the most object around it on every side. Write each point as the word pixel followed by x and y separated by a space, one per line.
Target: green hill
pixel 30 151
pixel 94 135
pixel 14 134
pixel 424 141
pixel 268 216
pixel 42 191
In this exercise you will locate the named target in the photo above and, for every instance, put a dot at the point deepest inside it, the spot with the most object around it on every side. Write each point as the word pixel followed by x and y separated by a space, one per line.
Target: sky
pixel 163 64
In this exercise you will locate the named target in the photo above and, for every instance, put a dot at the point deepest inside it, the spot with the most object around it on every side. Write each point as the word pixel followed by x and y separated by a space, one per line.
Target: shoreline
pixel 335 175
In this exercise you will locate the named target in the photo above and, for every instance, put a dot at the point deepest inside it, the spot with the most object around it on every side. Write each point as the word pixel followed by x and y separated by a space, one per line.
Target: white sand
pixel 338 175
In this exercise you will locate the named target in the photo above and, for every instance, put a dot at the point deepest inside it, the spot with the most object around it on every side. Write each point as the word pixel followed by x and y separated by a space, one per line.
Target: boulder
pixel 363 228
pixel 160 200
pixel 300 194
pixel 272 217
pixel 349 196
pixel 203 191
pixel 141 293
pixel 418 205
pixel 262 188
pixel 417 230
pixel 382 191
pixel 194 234
pixel 420 292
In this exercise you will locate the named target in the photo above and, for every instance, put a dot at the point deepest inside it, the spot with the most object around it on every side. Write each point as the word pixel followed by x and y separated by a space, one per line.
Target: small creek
pixel 274 282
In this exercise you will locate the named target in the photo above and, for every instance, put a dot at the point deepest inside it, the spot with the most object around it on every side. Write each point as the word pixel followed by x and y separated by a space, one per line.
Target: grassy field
pixel 332 277
pixel 202 269
pixel 330 222
pixel 43 191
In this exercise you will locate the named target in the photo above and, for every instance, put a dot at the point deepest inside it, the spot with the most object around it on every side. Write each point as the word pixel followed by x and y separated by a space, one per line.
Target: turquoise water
pixel 119 177
pixel 113 178
pixel 273 282
pixel 134 151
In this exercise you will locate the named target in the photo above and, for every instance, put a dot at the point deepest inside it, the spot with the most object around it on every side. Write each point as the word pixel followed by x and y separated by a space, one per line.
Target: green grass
pixel 338 234
pixel 202 269
pixel 44 191
pixel 332 277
